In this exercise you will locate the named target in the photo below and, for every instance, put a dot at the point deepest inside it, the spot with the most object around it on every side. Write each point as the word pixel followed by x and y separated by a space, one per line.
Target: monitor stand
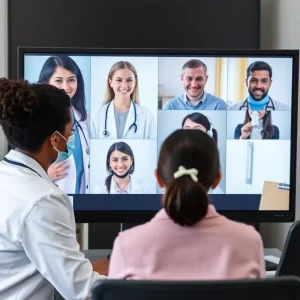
pixel 124 226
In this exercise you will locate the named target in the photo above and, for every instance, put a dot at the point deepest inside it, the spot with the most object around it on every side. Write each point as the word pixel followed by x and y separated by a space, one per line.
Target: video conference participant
pixel 122 115
pixel 39 250
pixel 199 121
pixel 258 81
pixel 194 77
pixel 188 239
pixel 257 126
pixel 70 172
pixel 120 164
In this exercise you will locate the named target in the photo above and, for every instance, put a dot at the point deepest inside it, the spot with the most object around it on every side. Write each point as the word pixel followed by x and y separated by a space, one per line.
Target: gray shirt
pixel 121 119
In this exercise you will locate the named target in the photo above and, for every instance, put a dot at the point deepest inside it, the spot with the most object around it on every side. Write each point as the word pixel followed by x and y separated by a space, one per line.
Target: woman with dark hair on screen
pixel 187 239
pixel 39 250
pixel 71 174
pixel 120 165
pixel 199 121
pixel 257 126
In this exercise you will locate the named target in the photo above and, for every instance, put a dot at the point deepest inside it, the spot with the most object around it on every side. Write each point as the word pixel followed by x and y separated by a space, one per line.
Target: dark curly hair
pixel 29 113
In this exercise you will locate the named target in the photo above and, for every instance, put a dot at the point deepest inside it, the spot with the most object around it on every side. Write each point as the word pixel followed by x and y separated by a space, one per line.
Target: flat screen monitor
pixel 127 101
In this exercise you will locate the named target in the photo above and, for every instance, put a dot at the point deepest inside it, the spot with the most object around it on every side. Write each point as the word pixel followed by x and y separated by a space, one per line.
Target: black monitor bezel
pixel 142 216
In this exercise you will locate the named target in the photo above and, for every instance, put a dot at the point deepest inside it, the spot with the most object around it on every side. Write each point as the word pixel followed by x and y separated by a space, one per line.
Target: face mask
pixel 258 104
pixel 70 148
pixel 129 171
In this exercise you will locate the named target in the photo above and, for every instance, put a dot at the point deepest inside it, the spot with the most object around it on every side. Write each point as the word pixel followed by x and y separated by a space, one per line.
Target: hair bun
pixel 18 101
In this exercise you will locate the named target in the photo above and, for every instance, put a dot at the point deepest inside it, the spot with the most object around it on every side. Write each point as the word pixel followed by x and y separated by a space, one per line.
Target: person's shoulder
pixel 136 237
pixel 99 110
pixel 141 109
pixel 172 103
pixel 241 232
pixel 280 105
pixel 235 106
pixel 218 102
pixel 215 98
pixel 97 189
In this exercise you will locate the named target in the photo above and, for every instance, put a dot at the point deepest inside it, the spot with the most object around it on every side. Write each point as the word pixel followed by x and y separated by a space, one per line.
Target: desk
pixel 93 255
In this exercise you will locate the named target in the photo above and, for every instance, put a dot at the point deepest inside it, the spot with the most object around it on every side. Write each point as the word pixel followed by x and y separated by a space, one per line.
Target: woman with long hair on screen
pixel 257 126
pixel 122 115
pixel 39 249
pixel 199 121
pixel 188 239
pixel 71 174
pixel 120 164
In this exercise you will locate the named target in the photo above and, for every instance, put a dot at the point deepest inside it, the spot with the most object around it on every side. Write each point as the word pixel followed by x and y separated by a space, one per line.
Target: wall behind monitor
pixel 203 24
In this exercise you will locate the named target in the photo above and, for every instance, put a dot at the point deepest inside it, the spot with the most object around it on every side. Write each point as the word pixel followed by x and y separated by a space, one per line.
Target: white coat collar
pixel 28 161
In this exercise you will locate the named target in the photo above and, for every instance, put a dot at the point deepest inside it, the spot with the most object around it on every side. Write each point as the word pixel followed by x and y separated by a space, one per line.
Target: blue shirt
pixel 207 102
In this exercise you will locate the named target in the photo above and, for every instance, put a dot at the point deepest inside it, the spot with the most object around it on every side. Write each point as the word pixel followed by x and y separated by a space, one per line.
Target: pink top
pixel 214 248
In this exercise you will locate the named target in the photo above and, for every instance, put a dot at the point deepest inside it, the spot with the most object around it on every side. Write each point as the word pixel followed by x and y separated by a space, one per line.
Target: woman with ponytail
pixel 187 239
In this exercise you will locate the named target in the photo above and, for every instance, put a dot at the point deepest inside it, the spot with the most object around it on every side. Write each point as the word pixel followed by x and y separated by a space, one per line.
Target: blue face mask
pixel 70 148
pixel 258 104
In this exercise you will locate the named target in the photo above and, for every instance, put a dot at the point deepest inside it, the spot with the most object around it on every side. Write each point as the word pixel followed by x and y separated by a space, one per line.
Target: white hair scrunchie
pixel 183 171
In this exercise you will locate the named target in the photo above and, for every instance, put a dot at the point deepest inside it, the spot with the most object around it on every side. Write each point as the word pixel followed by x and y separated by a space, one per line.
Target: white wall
pixel 3 61
pixel 280 25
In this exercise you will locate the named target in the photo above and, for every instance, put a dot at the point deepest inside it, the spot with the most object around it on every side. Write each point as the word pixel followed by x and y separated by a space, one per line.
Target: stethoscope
pixel 15 163
pixel 78 126
pixel 246 105
pixel 105 131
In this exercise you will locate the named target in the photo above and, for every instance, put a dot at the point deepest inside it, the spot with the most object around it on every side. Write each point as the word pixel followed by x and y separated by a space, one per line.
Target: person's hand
pixel 246 130
pixel 58 171
pixel 101 266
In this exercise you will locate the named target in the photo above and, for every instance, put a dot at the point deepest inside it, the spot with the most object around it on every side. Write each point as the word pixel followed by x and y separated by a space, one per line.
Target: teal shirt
pixel 207 102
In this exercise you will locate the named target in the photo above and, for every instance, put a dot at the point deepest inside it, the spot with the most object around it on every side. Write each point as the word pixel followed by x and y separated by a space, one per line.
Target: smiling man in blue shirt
pixel 194 78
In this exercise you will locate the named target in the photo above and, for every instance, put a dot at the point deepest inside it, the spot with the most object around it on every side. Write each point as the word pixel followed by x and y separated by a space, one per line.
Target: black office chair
pixel 289 263
pixel 251 289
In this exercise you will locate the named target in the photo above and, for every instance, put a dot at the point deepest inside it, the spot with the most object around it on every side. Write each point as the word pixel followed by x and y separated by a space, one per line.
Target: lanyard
pixel 19 164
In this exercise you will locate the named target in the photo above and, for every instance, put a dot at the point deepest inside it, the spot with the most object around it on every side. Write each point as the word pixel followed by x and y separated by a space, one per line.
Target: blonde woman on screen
pixel 122 115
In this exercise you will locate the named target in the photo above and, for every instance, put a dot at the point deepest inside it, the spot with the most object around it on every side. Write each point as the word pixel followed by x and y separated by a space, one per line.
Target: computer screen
pixel 125 103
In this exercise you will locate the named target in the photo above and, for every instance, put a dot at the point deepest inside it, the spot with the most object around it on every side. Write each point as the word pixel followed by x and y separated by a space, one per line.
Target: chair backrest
pixel 253 289
pixel 289 263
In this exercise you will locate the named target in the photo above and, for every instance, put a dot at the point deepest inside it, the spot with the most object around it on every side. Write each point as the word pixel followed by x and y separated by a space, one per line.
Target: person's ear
pixel 158 179
pixel 217 180
pixel 54 140
pixel 109 82
pixel 57 141
pixel 181 77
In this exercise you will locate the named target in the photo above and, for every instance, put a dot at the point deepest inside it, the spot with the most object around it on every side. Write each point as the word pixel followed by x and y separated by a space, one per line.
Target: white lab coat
pixel 68 183
pixel 38 243
pixel 146 125
pixel 136 185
